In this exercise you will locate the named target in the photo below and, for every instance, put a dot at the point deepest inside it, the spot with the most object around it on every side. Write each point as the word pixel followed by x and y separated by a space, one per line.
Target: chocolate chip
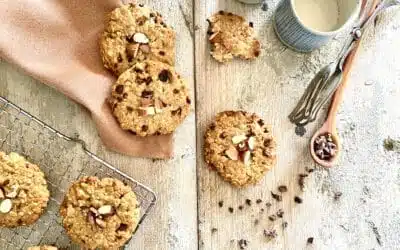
pixel 129 109
pixel 256 222
pixel 272 217
pixel 242 244
pixel 261 122
pixel 147 94
pixel 276 196
pixel 176 91
pixel 284 224
pixel 251 24
pixel 125 95
pixel 221 12
pixel 267 142
pixel 130 39
pixel 132 132
pixel 280 213
pixel 337 195
pixel 138 70
pixel 282 189
pixel 212 126
pixel 209 32
pixel 223 135
pixel 266 130
pixel 221 203
pixel 298 200
pixel 256 54
pixel 214 230
pixel 164 75
pixel 145 128
pixel 119 89
pixel 141 5
pixel 152 14
pixel 188 101
pixel 240 207
pixel 177 111
pixel 119 58
pixel 268 204
pixel 310 240
pixel 230 209
pixel 122 227
pixel 162 53
pixel 248 202
pixel 258 201
pixel 148 80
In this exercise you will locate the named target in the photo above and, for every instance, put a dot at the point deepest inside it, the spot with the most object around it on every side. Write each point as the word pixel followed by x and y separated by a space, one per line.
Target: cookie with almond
pixel 232 36
pixel 23 191
pixel 150 99
pixel 100 213
pixel 133 33
pixel 240 147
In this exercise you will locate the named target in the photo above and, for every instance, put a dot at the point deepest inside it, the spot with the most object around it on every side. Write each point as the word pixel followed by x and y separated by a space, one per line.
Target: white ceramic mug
pixel 298 27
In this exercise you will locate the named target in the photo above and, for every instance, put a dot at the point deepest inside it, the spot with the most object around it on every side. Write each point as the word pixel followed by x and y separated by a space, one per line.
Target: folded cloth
pixel 57 42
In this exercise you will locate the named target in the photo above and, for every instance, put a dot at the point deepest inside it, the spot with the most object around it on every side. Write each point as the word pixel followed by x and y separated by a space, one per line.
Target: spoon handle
pixel 347 66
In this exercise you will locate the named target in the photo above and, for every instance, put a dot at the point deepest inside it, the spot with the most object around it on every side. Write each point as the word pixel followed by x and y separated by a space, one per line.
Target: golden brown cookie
pixel 44 247
pixel 150 99
pixel 134 33
pixel 100 214
pixel 232 36
pixel 240 146
pixel 23 191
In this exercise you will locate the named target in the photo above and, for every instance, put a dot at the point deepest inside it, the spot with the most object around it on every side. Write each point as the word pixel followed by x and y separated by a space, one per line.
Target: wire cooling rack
pixel 63 160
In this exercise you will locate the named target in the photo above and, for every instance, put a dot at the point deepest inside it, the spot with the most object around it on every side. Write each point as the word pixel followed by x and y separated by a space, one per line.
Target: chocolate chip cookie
pixel 100 213
pixel 134 33
pixel 232 36
pixel 240 146
pixel 23 191
pixel 150 99
pixel 44 247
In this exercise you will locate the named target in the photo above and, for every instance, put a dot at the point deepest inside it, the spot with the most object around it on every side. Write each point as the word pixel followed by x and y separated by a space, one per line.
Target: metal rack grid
pixel 63 160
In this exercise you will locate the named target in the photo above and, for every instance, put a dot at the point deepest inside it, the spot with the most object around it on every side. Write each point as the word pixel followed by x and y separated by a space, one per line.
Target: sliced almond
pixel 140 38
pixel 158 103
pixel 252 143
pixel 146 102
pixel 232 154
pixel 158 111
pixel 238 139
pixel 5 206
pixel 214 38
pixel 13 193
pixel 105 210
pixel 94 211
pixel 22 194
pixel 242 146
pixel 132 50
pixel 147 111
pixel 101 223
pixel 1 194
pixel 91 217
pixel 145 48
pixel 247 158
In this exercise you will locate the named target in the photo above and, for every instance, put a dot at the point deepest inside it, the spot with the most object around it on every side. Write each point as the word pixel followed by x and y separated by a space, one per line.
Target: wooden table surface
pixel 188 214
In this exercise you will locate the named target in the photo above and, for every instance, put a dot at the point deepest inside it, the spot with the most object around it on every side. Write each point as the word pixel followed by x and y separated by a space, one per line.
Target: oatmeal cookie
pixel 240 146
pixel 134 33
pixel 23 191
pixel 150 99
pixel 232 36
pixel 44 247
pixel 100 214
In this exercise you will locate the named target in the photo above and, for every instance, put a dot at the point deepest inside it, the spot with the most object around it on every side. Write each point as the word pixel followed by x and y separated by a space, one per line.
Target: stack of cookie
pixel 149 97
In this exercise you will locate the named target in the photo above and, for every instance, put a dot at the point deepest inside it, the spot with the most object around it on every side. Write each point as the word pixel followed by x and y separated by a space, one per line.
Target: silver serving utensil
pixel 326 81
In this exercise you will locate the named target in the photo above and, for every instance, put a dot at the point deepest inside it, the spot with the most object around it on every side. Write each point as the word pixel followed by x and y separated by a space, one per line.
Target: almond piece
pixel 252 143
pixel 146 102
pixel 91 217
pixel 232 154
pixel 100 223
pixel 214 38
pixel 13 193
pixel 140 38
pixel 5 206
pixel 94 211
pixel 145 48
pixel 105 210
pixel 247 158
pixel 158 111
pixel 238 139
pixel 158 103
pixel 22 194
pixel 147 111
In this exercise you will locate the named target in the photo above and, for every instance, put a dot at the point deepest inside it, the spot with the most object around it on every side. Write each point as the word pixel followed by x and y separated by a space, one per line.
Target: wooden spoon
pixel 329 127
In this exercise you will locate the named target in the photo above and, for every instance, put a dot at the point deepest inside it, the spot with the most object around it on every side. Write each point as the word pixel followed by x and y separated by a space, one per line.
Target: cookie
pixel 150 99
pixel 100 213
pixel 44 247
pixel 134 33
pixel 240 147
pixel 231 36
pixel 23 191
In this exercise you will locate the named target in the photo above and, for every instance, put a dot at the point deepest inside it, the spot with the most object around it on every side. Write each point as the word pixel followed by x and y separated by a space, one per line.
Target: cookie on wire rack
pixel 100 213
pixel 232 36
pixel 23 191
pixel 240 147
pixel 134 33
pixel 150 99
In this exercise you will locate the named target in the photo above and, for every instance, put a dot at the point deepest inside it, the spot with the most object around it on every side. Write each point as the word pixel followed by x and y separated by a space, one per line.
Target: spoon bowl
pixel 324 130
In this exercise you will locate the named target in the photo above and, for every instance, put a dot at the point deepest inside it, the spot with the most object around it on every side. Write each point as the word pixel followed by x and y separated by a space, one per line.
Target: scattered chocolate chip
pixel 272 217
pixel 221 203
pixel 284 224
pixel 310 170
pixel 277 197
pixel 270 234
pixel 164 75
pixel 268 204
pixel 262 210
pixel 256 222
pixel 298 200
pixel 214 230
pixel 148 80
pixel 301 181
pixel 230 209
pixel 240 207
pixel 145 128
pixel 141 5
pixel 147 94
pixel 221 12
pixel 242 244
pixel 282 189
pixel 248 202
pixel 300 131
pixel 130 39
pixel 119 89
pixel 212 126
pixel 251 24
pixel 310 240
pixel 258 201
pixel 280 213
pixel 337 195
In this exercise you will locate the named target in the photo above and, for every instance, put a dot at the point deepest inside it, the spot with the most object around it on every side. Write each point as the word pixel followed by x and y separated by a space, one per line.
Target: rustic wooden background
pixel 188 214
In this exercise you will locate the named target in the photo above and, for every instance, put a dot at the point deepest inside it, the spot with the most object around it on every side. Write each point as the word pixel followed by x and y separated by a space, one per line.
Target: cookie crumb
pixel 337 196
pixel 277 197
pixel 298 200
